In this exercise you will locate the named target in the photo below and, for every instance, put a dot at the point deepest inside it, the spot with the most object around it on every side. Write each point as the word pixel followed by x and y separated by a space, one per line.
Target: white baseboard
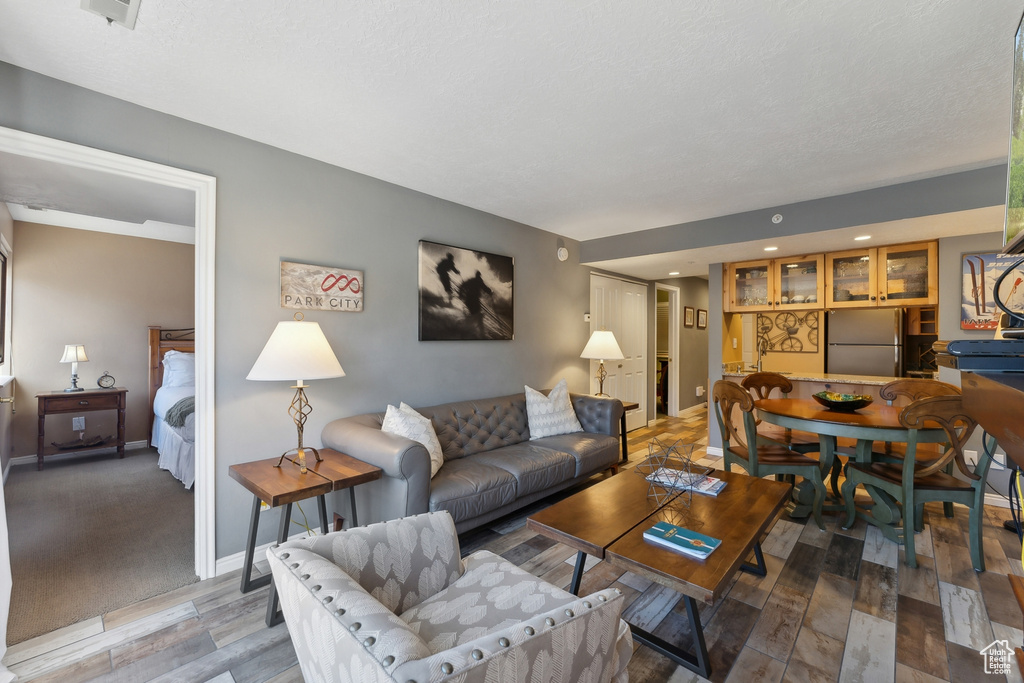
pixel 715 450
pixel 31 459
pixel 237 561
pixel 996 500
pixel 693 410
pixel 7 472
pixel 651 423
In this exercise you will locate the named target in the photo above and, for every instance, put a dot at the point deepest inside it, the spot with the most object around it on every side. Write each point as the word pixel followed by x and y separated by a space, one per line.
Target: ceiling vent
pixel 115 11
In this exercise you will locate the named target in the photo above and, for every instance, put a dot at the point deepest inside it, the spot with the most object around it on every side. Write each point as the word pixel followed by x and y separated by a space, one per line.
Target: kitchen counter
pixel 823 378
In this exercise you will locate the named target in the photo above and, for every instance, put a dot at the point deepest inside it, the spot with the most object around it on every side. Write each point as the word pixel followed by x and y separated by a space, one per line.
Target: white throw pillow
pixel 552 414
pixel 179 369
pixel 405 421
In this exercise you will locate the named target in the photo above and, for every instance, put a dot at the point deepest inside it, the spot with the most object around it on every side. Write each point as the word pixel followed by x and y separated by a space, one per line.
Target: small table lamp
pixel 602 346
pixel 297 351
pixel 74 354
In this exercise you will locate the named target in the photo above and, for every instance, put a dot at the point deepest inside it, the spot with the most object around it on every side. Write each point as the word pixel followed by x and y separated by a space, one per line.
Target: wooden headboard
pixel 160 342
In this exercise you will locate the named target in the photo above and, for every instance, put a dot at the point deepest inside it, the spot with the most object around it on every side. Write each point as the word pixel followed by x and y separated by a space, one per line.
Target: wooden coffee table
pixel 607 520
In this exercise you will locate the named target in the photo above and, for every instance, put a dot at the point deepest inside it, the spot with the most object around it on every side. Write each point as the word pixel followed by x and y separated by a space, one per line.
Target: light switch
pixel 734 342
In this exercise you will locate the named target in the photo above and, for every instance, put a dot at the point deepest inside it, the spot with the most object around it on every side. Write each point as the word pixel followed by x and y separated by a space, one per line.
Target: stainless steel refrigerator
pixel 865 342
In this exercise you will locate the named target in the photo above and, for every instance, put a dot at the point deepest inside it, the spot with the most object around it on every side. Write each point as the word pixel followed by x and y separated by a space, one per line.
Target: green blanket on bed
pixel 179 411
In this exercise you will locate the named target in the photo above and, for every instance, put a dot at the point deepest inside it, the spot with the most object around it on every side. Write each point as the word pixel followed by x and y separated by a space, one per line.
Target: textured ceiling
pixel 582 119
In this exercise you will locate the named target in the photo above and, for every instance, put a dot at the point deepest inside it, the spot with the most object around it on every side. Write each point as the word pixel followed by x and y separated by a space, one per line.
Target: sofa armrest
pixel 585 640
pixel 404 488
pixel 362 438
pixel 597 414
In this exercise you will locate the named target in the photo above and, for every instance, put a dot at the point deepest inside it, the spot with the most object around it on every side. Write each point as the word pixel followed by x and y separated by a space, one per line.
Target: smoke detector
pixel 121 12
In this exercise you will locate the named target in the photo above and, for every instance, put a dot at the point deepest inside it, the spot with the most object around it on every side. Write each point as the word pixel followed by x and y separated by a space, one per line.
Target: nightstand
pixel 63 402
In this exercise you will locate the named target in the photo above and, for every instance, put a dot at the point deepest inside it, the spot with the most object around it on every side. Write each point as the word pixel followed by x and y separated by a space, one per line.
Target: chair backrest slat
pixel 947 412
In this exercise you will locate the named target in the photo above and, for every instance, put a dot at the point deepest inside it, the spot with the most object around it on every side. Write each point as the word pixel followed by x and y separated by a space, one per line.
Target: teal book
pixel 682 540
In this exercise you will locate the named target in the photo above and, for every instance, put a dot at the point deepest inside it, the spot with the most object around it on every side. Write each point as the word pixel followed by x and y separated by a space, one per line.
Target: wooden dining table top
pixel 873 415
pixel 875 421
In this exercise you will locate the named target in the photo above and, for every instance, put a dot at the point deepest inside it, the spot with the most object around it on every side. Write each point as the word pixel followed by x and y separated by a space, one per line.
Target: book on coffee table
pixel 682 540
pixel 699 481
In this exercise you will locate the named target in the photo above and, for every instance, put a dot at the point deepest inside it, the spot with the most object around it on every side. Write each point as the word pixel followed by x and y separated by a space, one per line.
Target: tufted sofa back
pixel 468 427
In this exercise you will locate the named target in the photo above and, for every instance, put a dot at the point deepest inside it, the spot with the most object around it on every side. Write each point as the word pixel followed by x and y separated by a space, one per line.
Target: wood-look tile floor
pixel 835 606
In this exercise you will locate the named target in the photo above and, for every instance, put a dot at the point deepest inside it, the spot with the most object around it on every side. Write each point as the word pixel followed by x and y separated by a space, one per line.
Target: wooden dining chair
pixel 761 385
pixel 911 389
pixel 760 459
pixel 912 482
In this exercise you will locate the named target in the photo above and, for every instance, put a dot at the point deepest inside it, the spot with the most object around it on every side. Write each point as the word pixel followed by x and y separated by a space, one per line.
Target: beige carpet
pixel 91 535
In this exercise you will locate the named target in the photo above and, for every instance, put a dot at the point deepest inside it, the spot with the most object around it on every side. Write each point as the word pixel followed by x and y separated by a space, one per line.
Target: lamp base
pixel 300 457
pixel 600 395
pixel 74 389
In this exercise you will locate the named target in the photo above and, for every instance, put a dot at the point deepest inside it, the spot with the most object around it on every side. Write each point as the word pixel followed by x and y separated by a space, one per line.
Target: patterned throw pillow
pixel 405 421
pixel 552 414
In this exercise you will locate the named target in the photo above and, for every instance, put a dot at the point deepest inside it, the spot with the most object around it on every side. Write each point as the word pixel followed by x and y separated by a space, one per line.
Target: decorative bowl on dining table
pixel 844 403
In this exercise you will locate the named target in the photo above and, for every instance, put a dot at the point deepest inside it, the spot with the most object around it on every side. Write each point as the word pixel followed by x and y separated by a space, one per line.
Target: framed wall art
pixel 687 316
pixel 702 319
pixel 464 294
pixel 978 275
pixel 321 288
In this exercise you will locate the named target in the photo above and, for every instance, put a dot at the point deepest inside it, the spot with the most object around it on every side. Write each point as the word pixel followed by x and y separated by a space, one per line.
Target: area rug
pixel 91 535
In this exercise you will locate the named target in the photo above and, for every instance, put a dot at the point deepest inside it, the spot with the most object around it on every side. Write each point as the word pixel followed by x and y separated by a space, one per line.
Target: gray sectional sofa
pixel 491 466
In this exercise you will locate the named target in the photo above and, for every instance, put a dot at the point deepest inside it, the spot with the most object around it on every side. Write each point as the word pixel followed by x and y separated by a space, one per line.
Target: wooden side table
pixel 64 402
pixel 285 485
pixel 626 407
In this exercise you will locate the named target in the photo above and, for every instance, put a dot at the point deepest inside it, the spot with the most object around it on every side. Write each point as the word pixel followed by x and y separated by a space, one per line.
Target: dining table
pixel 872 423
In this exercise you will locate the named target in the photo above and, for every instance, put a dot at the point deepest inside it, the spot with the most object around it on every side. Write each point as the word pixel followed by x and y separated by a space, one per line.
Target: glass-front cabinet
pixel 798 282
pixel 908 274
pixel 851 281
pixel 750 286
pixel 899 275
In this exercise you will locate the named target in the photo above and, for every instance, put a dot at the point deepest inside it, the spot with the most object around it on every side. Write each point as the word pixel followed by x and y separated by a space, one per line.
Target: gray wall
pixel 943 194
pixel 274 205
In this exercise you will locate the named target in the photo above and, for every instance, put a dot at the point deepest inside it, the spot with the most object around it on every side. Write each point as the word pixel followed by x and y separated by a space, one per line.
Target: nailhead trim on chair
pixel 389 660
pixel 447 668
pixel 503 642
pixel 530 631
pixel 477 655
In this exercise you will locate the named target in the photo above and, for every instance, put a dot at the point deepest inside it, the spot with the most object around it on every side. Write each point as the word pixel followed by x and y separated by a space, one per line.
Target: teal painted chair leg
pixel 947 509
pixel 910 510
pixel 849 489
pixel 819 498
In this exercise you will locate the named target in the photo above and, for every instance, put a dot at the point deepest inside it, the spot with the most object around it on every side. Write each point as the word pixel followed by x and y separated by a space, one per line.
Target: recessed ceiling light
pixel 771 248
pixel 862 238
pixel 674 272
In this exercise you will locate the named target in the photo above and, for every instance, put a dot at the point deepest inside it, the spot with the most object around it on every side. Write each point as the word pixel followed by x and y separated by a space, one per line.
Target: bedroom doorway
pixel 41 149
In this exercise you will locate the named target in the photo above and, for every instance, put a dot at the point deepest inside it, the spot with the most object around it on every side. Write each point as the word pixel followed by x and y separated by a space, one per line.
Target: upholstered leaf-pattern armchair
pixel 395 602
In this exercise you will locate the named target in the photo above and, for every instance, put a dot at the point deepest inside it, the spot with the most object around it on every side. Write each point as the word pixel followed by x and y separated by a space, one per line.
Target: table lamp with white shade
pixel 601 347
pixel 297 351
pixel 74 354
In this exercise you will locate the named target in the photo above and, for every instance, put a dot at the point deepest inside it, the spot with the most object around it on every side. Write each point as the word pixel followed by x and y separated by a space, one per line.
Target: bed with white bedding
pixel 172 399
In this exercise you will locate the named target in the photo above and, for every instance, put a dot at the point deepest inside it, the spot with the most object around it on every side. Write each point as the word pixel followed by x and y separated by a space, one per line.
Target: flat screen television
pixel 1013 229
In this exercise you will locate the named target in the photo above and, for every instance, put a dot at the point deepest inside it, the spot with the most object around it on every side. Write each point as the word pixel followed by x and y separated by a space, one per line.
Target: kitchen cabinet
pixel 793 283
pixel 798 282
pixel 750 286
pixel 897 275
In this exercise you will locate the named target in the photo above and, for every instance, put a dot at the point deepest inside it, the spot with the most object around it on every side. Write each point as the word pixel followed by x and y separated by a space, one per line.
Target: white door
pixel 622 308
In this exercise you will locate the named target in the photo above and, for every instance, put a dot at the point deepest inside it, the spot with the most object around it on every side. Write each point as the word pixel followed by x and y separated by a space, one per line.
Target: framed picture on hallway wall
pixel 687 316
pixel 464 294
pixel 702 319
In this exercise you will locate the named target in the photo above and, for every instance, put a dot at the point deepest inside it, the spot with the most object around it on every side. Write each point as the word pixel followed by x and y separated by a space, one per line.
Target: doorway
pixel 65 153
pixel 667 351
